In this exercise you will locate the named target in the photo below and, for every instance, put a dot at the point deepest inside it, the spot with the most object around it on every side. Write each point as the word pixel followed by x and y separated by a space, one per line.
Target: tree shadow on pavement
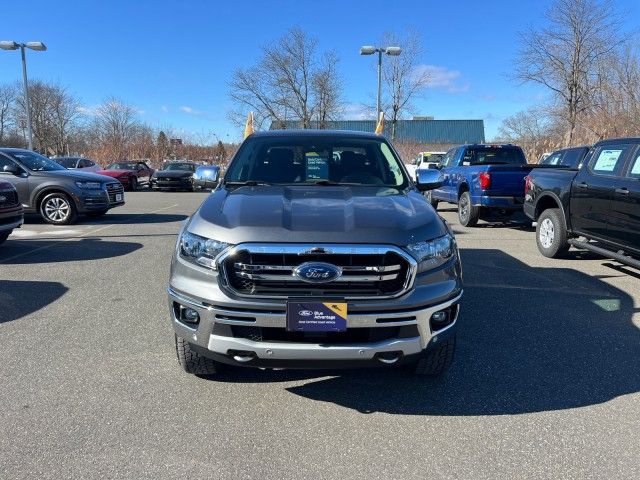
pixel 529 340
pixel 19 252
pixel 18 299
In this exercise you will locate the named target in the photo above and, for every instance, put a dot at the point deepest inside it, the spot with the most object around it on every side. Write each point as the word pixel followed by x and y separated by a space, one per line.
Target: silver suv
pixel 316 250
pixel 57 194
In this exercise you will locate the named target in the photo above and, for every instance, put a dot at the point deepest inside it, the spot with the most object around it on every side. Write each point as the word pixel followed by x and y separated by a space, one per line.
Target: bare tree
pixel 564 55
pixel 327 85
pixel 402 77
pixel 54 115
pixel 533 130
pixel 289 82
pixel 115 126
pixel 7 98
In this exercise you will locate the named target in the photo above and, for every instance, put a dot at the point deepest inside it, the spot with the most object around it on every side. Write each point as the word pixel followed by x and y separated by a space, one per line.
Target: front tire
pixel 551 234
pixel 58 209
pixel 468 214
pixel 193 362
pixel 436 361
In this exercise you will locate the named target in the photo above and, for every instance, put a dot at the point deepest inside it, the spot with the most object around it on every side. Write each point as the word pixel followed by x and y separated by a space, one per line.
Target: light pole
pixel 38 46
pixel 369 50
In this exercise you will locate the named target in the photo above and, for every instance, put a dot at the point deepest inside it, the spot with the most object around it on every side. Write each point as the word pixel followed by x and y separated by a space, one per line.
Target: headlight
pixel 200 250
pixel 433 253
pixel 89 185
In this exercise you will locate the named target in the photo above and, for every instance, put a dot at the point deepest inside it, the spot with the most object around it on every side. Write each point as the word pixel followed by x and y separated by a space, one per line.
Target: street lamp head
pixel 367 50
pixel 395 51
pixel 39 46
pixel 8 45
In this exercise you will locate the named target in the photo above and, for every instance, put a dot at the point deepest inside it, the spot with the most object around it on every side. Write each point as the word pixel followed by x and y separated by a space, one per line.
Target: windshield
pixel 493 156
pixel 36 162
pixel 180 166
pixel 67 162
pixel 310 160
pixel 122 166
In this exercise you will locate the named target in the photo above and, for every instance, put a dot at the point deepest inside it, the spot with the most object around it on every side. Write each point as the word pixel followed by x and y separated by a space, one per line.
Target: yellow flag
pixel 248 128
pixel 380 125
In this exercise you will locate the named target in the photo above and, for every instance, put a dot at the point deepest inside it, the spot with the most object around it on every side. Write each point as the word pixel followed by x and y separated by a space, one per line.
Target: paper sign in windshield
pixel 317 168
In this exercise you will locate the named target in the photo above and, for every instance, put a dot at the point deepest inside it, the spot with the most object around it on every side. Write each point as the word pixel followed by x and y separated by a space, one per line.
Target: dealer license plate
pixel 313 316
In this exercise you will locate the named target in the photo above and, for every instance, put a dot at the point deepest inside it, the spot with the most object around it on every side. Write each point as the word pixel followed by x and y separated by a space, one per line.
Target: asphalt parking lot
pixel 545 384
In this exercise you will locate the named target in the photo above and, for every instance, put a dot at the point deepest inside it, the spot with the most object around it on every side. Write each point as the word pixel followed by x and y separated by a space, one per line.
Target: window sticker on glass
pixel 607 161
pixel 317 167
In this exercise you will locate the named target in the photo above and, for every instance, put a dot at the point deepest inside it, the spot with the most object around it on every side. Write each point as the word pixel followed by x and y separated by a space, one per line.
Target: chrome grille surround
pixel 233 268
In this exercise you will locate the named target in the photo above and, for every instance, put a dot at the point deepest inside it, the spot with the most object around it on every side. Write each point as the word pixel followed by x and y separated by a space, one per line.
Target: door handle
pixel 622 191
pixel 582 185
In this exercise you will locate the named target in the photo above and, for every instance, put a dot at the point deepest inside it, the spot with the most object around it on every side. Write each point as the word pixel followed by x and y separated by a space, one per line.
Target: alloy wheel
pixel 547 233
pixel 57 209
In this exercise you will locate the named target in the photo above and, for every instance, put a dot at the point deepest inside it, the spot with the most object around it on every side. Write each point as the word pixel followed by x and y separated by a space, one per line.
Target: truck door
pixel 624 221
pixel 448 167
pixel 593 187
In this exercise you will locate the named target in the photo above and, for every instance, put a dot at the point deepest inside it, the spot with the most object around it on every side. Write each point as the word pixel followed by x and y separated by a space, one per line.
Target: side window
pixel 572 157
pixel 84 163
pixel 446 161
pixel 608 160
pixel 634 168
pixel 553 159
pixel 4 161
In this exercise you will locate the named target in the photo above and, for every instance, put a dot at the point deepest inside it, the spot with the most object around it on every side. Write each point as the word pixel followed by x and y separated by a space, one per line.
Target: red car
pixel 131 174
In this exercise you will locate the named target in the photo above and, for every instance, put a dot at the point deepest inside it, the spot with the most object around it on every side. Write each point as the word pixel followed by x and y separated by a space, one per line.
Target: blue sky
pixel 172 59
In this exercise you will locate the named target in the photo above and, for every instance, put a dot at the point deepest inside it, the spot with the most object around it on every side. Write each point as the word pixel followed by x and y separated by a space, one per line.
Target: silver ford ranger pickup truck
pixel 316 250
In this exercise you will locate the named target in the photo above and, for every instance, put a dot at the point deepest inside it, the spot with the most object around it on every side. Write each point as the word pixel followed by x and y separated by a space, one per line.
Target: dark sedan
pixel 175 176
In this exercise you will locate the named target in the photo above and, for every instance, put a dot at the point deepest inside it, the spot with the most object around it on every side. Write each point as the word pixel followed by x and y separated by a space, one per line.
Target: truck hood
pixel 317 214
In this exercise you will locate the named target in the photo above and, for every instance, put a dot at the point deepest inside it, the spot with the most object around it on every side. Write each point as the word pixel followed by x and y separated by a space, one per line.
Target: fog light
pixel 189 315
pixel 440 319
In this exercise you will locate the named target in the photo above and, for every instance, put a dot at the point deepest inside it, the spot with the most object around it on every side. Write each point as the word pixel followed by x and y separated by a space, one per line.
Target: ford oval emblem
pixel 317 272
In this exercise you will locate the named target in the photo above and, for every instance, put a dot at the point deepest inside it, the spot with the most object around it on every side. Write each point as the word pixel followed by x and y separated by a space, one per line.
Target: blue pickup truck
pixel 485 181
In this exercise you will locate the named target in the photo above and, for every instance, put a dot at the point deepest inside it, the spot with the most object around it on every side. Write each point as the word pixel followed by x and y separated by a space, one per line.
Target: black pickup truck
pixel 599 201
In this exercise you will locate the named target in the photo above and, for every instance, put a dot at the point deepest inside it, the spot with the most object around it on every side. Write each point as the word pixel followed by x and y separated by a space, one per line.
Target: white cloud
pixel 191 111
pixel 441 78
pixel 357 111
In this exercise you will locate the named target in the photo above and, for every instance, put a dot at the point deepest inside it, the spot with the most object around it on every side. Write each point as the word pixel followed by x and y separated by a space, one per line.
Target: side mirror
pixel 428 179
pixel 13 168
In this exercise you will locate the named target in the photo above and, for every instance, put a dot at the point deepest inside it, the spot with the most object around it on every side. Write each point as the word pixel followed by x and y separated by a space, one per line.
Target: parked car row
pixel 589 192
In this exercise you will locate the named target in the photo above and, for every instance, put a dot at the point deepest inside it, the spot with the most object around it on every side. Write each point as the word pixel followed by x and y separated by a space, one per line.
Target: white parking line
pixel 91 232
pixel 23 233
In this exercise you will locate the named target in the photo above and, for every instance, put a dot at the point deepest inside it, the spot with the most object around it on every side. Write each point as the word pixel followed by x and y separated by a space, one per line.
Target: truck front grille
pixel 267 270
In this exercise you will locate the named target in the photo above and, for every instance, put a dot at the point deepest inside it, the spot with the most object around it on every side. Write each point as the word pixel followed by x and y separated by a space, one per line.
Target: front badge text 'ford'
pixel 317 272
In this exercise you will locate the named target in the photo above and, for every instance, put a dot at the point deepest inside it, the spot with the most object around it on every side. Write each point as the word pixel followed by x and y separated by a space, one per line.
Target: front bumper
pixel 95 200
pixel 213 335
pixel 173 183
pixel 10 218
